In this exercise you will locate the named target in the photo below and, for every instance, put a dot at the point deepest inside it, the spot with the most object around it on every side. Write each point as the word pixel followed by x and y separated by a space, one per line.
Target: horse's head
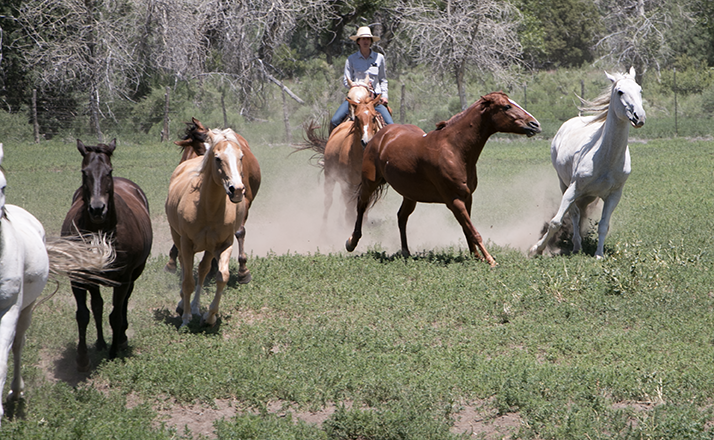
pixel 193 142
pixel 224 158
pixel 626 98
pixel 3 185
pixel 366 118
pixel 97 181
pixel 509 117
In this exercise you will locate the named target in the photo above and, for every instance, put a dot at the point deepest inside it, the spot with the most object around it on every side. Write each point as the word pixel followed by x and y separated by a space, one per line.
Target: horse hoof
pixel 82 365
pixel 170 268
pixel 15 397
pixel 244 278
pixel 179 310
pixel 349 246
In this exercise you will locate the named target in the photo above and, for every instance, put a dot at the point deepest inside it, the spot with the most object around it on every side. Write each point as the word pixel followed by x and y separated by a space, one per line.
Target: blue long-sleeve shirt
pixel 356 66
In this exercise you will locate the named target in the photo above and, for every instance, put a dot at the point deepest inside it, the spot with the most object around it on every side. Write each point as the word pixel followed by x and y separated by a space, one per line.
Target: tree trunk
pixel 286 113
pixel 223 107
pixel 459 73
pixel 94 114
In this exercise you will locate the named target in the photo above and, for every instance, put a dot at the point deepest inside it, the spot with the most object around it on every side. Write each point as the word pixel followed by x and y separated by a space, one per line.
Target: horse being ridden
pixel 205 207
pixel 438 167
pixel 25 267
pixel 591 157
pixel 194 144
pixel 119 208
pixel 342 153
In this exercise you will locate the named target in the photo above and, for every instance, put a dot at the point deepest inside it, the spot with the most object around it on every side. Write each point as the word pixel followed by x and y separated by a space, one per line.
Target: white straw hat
pixel 364 32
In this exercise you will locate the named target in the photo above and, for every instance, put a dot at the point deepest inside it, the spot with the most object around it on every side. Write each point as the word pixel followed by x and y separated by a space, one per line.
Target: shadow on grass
pixel 443 257
pixel 173 319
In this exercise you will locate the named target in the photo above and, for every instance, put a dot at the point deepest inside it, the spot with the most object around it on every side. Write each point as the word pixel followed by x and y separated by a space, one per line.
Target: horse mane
pixel 598 107
pixel 458 116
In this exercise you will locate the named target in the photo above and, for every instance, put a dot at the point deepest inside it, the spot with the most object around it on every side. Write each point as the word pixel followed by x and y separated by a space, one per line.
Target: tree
pixel 454 35
pixel 82 45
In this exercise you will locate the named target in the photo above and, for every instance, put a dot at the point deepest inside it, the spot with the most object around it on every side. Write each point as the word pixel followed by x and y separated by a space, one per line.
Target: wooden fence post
pixel 286 118
pixel 676 129
pixel 403 105
pixel 35 124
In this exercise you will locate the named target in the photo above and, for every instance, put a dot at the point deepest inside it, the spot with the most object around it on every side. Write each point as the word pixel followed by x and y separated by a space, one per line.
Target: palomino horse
pixel 342 153
pixel 438 167
pixel 25 267
pixel 193 144
pixel 591 157
pixel 117 207
pixel 205 207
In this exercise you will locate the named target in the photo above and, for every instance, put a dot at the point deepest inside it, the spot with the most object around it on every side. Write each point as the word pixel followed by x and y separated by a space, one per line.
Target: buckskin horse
pixel 193 144
pixel 439 166
pixel 117 207
pixel 591 157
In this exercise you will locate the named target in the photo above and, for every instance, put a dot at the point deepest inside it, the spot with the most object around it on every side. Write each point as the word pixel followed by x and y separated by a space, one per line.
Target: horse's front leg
pixel 17 388
pixel 244 276
pixel 403 214
pixel 82 317
pixel 224 257
pixel 458 208
pixel 556 222
pixel 97 303
pixel 609 205
pixel 204 267
pixel 117 318
pixel 10 302
pixel 187 284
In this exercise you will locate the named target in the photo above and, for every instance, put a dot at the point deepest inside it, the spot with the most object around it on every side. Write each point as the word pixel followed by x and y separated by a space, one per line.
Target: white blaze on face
pixel 524 110
pixel 366 135
pixel 234 155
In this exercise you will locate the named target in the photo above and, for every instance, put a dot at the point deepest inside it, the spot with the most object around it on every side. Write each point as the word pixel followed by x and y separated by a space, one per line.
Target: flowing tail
pixel 83 259
pixel 315 142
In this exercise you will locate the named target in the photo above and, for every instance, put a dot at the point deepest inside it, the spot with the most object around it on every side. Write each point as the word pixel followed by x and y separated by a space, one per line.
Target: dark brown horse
pixel 119 208
pixel 193 144
pixel 438 167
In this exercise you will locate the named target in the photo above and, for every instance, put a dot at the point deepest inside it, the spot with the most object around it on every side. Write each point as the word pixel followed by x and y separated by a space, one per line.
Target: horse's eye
pixel 619 92
pixel 507 107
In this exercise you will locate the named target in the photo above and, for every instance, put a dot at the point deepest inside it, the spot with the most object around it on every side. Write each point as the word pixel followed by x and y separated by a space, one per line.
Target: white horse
pixel 591 157
pixel 24 268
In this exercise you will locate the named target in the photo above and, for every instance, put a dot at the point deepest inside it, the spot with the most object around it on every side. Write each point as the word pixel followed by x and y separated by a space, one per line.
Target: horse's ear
pixel 610 77
pixel 351 101
pixel 198 124
pixel 112 145
pixel 440 125
pixel 2 153
pixel 632 71
pixel 82 149
pixel 349 82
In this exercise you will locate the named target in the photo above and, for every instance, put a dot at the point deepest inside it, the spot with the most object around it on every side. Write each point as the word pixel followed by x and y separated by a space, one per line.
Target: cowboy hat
pixel 364 32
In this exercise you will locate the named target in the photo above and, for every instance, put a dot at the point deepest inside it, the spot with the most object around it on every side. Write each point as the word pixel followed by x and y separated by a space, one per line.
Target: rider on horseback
pixel 361 63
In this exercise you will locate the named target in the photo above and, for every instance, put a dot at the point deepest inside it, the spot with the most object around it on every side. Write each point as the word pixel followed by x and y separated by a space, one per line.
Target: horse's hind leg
pixel 603 227
pixel 171 264
pixel 97 303
pixel 402 216
pixel 362 202
pixel 244 275
pixel 329 189
pixel 117 318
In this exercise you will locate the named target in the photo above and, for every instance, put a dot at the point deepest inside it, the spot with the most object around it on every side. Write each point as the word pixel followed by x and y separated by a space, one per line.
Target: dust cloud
pixel 287 214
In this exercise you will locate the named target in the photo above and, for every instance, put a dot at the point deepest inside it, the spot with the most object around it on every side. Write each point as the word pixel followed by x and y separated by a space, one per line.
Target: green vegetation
pixel 576 347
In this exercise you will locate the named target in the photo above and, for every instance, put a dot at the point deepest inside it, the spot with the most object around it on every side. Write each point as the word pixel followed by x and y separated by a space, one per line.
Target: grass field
pixel 328 345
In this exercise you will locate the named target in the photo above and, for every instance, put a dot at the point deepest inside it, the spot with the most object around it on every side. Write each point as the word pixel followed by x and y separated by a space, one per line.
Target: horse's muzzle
pixel 533 128
pixel 236 194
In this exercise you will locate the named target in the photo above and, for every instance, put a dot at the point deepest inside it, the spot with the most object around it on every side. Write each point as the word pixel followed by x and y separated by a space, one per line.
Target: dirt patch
pixel 481 420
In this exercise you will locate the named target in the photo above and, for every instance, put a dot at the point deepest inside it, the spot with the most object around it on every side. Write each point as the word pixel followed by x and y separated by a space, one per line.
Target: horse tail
pixel 82 259
pixel 374 196
pixel 315 142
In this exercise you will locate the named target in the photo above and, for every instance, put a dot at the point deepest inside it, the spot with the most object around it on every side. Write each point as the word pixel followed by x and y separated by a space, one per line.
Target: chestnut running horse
pixel 341 155
pixel 27 259
pixel 193 144
pixel 117 207
pixel 439 166
pixel 205 206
